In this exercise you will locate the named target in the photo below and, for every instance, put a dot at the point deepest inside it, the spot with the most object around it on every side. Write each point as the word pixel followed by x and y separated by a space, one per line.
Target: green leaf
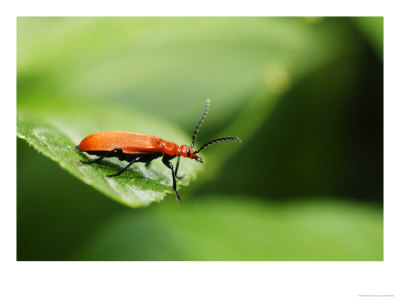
pixel 241 228
pixel 138 186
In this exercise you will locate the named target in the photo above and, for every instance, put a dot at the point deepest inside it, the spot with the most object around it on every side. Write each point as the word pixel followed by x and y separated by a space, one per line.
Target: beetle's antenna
pixel 196 130
pixel 219 140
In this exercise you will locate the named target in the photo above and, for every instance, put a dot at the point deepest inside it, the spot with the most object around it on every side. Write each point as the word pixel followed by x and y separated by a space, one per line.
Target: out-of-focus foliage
pixel 373 30
pixel 241 228
pixel 304 95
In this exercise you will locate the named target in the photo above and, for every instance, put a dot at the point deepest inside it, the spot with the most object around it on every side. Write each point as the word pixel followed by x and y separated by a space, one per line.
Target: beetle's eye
pixel 188 153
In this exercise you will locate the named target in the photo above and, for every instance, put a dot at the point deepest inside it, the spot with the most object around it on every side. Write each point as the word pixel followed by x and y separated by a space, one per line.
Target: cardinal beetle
pixel 136 147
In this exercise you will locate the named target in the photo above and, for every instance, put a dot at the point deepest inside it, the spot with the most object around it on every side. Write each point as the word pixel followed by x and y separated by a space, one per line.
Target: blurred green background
pixel 305 95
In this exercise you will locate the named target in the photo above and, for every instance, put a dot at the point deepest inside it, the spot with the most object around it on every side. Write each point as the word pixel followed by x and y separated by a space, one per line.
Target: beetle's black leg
pixel 124 169
pixel 169 165
pixel 148 163
pixel 177 166
pixel 101 157
pixel 176 169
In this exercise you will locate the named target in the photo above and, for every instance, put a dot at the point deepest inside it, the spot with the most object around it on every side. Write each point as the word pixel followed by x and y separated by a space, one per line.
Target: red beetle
pixel 136 147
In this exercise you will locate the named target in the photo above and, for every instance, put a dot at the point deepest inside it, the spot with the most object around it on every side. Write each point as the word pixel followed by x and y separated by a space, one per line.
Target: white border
pixel 198 280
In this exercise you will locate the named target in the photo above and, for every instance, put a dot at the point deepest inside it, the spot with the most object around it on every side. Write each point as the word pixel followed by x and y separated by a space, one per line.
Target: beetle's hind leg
pixel 137 159
pixel 110 153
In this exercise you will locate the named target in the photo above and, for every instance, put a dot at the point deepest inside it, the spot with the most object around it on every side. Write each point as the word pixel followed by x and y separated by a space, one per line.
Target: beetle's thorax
pixel 169 148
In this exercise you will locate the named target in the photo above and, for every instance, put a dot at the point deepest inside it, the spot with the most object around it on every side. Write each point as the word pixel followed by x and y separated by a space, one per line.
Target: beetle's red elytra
pixel 136 147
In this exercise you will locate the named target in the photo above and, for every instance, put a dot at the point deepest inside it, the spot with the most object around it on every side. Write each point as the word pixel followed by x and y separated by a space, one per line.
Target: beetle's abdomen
pixel 129 142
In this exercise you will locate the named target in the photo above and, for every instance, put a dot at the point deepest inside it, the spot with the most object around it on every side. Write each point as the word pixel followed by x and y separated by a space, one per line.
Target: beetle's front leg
pixel 169 165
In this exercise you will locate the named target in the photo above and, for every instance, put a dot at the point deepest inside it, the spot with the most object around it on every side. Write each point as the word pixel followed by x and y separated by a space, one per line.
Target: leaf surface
pixel 138 186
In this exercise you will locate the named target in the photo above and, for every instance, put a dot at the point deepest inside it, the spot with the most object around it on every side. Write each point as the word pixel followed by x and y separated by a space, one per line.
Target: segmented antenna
pixel 196 130
pixel 219 140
